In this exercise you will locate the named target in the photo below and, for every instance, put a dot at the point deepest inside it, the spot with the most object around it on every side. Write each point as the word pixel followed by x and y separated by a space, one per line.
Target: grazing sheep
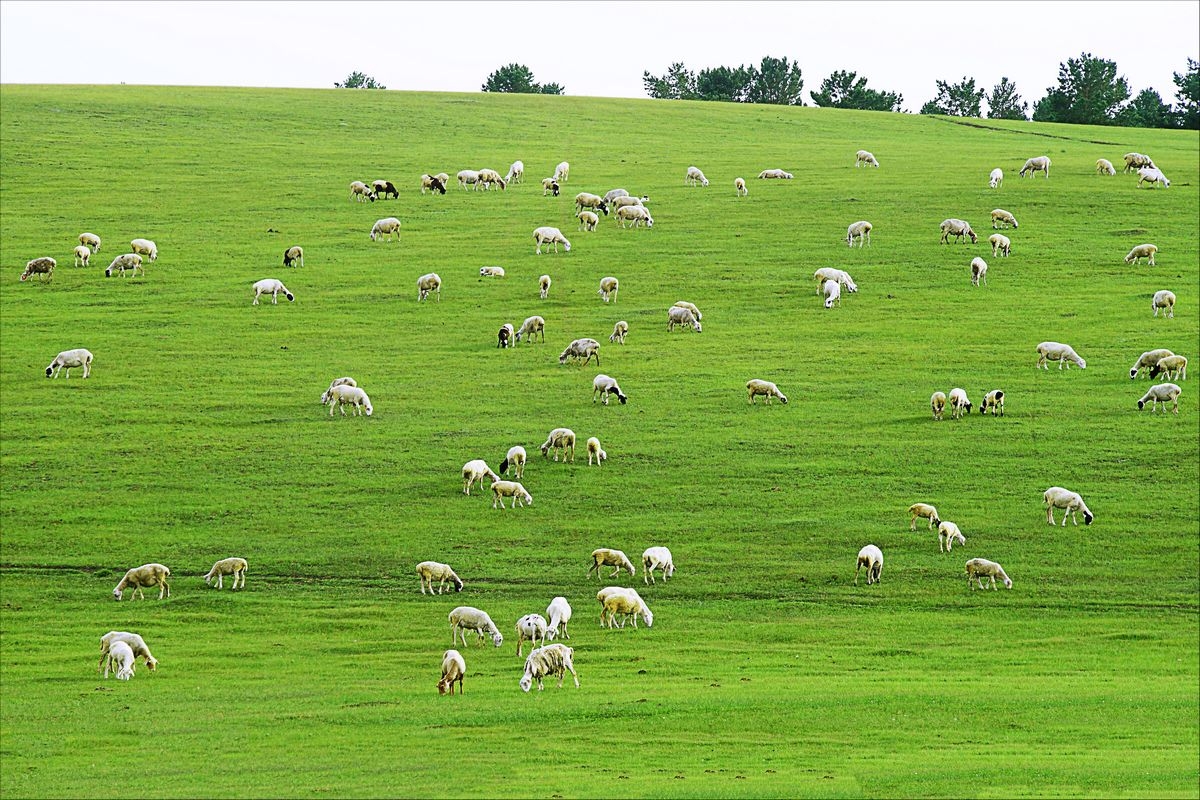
pixel 1003 219
pixel 384 188
pixel 1147 360
pixel 385 228
pixel 1135 161
pixel 1162 393
pixel 612 194
pixel 739 186
pixel 605 557
pixel 127 261
pixel 865 157
pixel 619 330
pixel 1164 299
pixel 959 404
pixel 503 489
pixel 832 290
pixel 469 618
pixel 630 605
pixel 468 177
pixel 138 578
pixel 454 667
pixel 926 511
pixel 608 289
pixel 550 185
pixel 638 215
pixel 677 315
pixel 430 571
pixel 694 177
pixel 68 359
pixel 144 247
pixel 1170 364
pixel 120 657
pixel 1152 176
pixel 1062 353
pixel 560 439
pixel 996 178
pixel 360 191
pixel 489 177
pixel 559 614
pixel 531 327
pixel 588 200
pixel 587 221
pixel 938 403
pixel 833 274
pixel 292 255
pixel 42 267
pixel 948 534
pixel 870 557
pixel 980 568
pixel 603 386
pixel 581 348
pixel 531 628
pixel 427 283
pixel 516 457
pixel 548 235
pixel 690 307
pixel 356 398
pixel 228 566
pixel 91 241
pixel 1146 251
pixel 505 335
pixel 1058 497
pixel 1105 167
pixel 756 387
pixel 474 472
pixel 625 200
pixel 858 230
pixel 657 558
pixel 1001 244
pixel 544 287
pixel 562 171
pixel 272 287
pixel 136 643
pixel 491 272
pixel 978 270
pixel 993 401
pixel 775 173
pixel 516 173
pixel 552 659
pixel 83 254
pixel 336 382
pixel 594 449
pixel 434 183
pixel 958 229
pixel 1035 165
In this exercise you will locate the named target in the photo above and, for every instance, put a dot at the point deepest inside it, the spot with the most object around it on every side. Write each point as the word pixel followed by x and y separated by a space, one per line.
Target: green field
pixel 767 672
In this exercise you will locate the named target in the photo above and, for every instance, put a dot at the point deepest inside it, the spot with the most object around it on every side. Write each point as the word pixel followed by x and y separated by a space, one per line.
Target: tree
pixel 1005 103
pixel 1187 96
pixel 677 84
pixel 513 78
pixel 723 84
pixel 551 88
pixel 845 89
pixel 775 82
pixel 1089 92
pixel 1147 110
pixel 357 80
pixel 956 99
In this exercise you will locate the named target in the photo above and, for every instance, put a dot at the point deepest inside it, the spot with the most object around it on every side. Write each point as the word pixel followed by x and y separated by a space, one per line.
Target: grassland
pixel 767 672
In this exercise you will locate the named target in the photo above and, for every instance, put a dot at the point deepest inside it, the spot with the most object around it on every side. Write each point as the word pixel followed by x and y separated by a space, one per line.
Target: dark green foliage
pixel 517 79
pixel 1005 103
pixel 844 89
pixel 775 82
pixel 1187 95
pixel 1147 110
pixel 1089 92
pixel 358 80
pixel 960 99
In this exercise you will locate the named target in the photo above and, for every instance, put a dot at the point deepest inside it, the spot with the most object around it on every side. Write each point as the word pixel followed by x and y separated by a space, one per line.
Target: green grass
pixel 767 672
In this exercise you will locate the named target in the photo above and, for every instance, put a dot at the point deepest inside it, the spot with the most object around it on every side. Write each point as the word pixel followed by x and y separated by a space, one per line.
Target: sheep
pixel 594 449
pixel 581 348
pixel 548 235
pixel 356 398
pixel 336 382
pixel 120 656
pixel 937 402
pixel 141 577
pixel 980 568
pixel 604 386
pixel 474 472
pixel 621 202
pixel 996 178
pixel 606 557
pixel 1058 497
pixel 1145 251
pixel 637 215
pixel 865 157
pixel 292 255
pixel 993 401
pixel 516 457
pixel 127 261
pixel 612 194
pixel 959 403
pixel 1152 176
pixel 1164 299
pixel 587 221
pixel 1035 165
pixel 630 605
pixel 694 177
pixel 1147 360
pixel 562 171
pixel 360 191
pixel 42 267
pixel 958 229
pixel 443 178
pixel 588 200
pixel 690 307
pixel 272 287
pixel 948 534
pixel 67 359
pixel 619 330
pixel 1169 364
pixel 1105 167
pixel 454 667
pixel 385 228
pixel 775 173
pixel 83 254
pixel 384 188
pixel 429 571
pixel 531 327
pixel 870 557
pixel 503 489
pixel 552 659
pixel 559 614
pixel 1062 353
pixel 858 230
pixel 135 642
pixel 657 558
pixel 756 387
pixel 833 293
pixel 560 439
pixel 491 272
pixel 228 566
pixel 516 173
pixel 434 183
pixel 1003 219
pixel 544 287
pixel 739 186
pixel 608 289
pixel 468 177
pixel 834 274
pixel 430 282
pixel 1001 244
pixel 145 247
pixel 1135 161
pixel 1164 393
pixel 550 185
pixel 91 241
pixel 926 511
pixel 531 628
pixel 469 618
pixel 489 177
pixel 684 317
pixel 603 595
pixel 505 335
pixel 978 270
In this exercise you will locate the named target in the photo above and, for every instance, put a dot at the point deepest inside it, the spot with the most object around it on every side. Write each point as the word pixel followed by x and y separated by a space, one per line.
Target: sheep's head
pixel 971 233
pixel 1134 371
pixel 442 686
pixel 546 447
pixel 458 584
pixel 151 663
pixel 368 409
pixel 291 297
pixel 1007 582
pixel 648 616
pixel 782 398
pixel 49 371
pixel 497 638
pixel 1087 515
pixel 117 593
pixel 622 398
pixel 526 682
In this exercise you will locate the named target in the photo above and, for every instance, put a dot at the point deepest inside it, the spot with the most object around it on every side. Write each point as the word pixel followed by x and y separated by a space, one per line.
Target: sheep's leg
pixel 1050 514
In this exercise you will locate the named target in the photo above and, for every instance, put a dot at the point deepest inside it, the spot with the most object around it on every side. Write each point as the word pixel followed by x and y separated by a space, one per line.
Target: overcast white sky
pixel 598 48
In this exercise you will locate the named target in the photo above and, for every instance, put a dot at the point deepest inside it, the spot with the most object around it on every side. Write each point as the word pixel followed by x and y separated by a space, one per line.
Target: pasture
pixel 767 673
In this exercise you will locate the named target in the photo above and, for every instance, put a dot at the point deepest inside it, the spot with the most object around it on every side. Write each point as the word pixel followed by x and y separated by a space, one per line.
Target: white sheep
pixel 602 595
pixel 544 287
pixel 1003 219
pixel 996 178
pixel 491 272
pixel 474 472
pixel 430 571
pixel 1035 165
pixel 1135 161
pixel 138 578
pixel 559 614
pixel 469 618
pixel 834 274
pixel 1152 176
pixel 1164 299
pixel 468 177
pixel 832 290
pixel 516 172
pixel 678 315
pixel 1170 364
pixel 1161 393
pixel 581 348
pixel 384 228
pixel 120 656
pixel 1062 353
pixel 1105 167
pixel 560 439
pixel 948 534
pixel 923 511
pixel 1058 497
pixel 292 255
pixel 612 194
pixel 531 628
pixel 606 557
pixel 980 568
pixel 585 200
pixel 775 173
pixel 993 401
pixel 531 327
pixel 739 186
pixel 272 287
pixel 626 200
pixel 91 241
pixel 83 255
pixel 937 402
pixel 690 307
pixel 504 337
pixel 595 450
pixel 756 387
pixel 347 381
pixel 858 230
pixel 360 191
pixel 42 267
pixel 657 558
pixel 135 642
pixel 694 177
pixel 503 489
pixel 957 228
pixel 978 270
pixel 638 215
pixel 145 247
pixel 608 289
pixel 1146 251
pixel 629 605
pixel 550 185
pixel 870 557
pixel 1147 360
pixel 562 172
pixel 548 235
pixel 865 157
pixel 515 458
pixel 587 220
pixel 68 359
pixel 619 330
pixel 552 659
pixel 228 566
pixel 353 396
pixel 430 282
pixel 454 667
pixel 1001 244
pixel 603 385
pixel 959 403
pixel 489 177
pixel 126 261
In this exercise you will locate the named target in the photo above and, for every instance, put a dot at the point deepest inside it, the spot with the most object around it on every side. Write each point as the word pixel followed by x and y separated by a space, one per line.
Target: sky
pixel 599 48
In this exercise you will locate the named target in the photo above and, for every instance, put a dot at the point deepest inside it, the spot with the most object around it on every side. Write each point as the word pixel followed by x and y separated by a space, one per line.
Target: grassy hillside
pixel 767 672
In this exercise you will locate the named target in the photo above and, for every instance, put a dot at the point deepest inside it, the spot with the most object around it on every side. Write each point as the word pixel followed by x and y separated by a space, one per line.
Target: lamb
pixel 127 261
pixel 544 287
pixel 858 230
pixel 694 176
pixel 505 335
pixel 604 386
pixel 926 511
pixel 562 171
pixel 141 577
pixel 516 457
pixel 384 188
pixel 996 178
pixel 68 359
pixel 1162 393
pixel 292 255
pixel 356 398
pixel 144 247
pixel 833 274
pixel 959 403
pixel 739 186
pixel 272 287
pixel 833 293
pixel 1002 219
pixel 677 315
pixel 605 557
pixel 1169 364
pixel 430 571
pixel 958 229
pixel 468 177
pixel 516 172
pixel 1062 353
pixel 83 254
pixel 531 628
pixel 336 382
pixel 1147 360
pixel 978 270
pixel 1135 161
pixel 690 307
pixel 560 439
pixel 587 220
pixel 489 177
pixel 1035 165
pixel 865 157
pixel 531 327
pixel 360 191
pixel 552 659
pixel 491 272
pixel 619 330
pixel 1152 176
pixel 430 282
pixel 120 655
pixel 948 534
pixel 980 568
pixel 549 185
pixel 870 557
pixel 1001 244
pixel 434 183
pixel 228 566
pixel 1058 497
pixel 657 558
pixel 993 401
pixel 454 667
pixel 581 348
pixel 1105 167
pixel 756 387
pixel 938 403
pixel 135 642
pixel 638 215
pixel 548 235
pixel 1164 299
pixel 469 618
pixel 503 489
pixel 588 200
pixel 91 241
pixel 775 173
pixel 474 472
pixel 42 267
pixel 594 449
pixel 385 228
pixel 630 605
pixel 1146 251
pixel 608 289
pixel 559 613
